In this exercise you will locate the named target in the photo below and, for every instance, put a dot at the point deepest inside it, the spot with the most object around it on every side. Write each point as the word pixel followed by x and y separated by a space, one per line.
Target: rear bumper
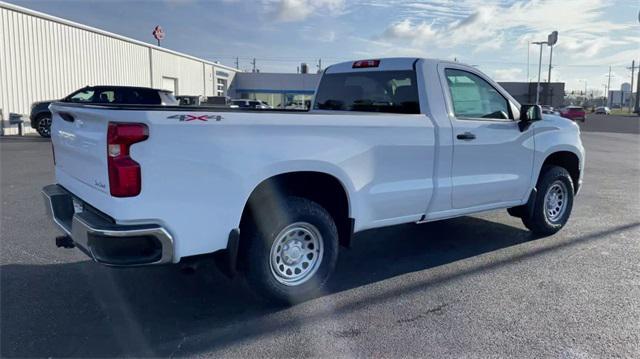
pixel 106 242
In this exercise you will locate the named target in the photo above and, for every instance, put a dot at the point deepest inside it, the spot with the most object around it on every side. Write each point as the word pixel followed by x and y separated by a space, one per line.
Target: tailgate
pixel 79 137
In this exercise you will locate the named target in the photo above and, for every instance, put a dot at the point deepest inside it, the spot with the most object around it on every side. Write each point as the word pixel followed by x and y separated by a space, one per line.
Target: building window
pixel 297 101
pixel 221 87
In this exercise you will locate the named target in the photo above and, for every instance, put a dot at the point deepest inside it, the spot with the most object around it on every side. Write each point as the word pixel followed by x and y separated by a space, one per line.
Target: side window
pixel 82 96
pixel 474 97
pixel 104 96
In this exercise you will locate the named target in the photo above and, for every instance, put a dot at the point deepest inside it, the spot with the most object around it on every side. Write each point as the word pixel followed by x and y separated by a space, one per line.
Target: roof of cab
pixel 386 64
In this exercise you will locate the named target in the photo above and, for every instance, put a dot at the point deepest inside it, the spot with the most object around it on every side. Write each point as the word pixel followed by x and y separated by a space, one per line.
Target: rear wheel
pixel 44 126
pixel 290 249
pixel 553 203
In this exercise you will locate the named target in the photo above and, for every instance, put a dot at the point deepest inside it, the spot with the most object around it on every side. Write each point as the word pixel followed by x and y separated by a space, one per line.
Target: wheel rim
pixel 296 254
pixel 556 201
pixel 44 126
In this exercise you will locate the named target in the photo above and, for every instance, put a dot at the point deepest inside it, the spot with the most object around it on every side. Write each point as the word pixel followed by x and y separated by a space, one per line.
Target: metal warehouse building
pixel 43 57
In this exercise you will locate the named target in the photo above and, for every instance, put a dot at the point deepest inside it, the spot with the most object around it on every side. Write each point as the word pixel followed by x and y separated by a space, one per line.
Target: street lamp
pixel 552 39
pixel 585 86
pixel 585 91
pixel 539 70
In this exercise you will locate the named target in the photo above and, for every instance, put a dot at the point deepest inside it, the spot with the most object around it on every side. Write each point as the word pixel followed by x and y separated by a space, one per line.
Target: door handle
pixel 67 117
pixel 467 136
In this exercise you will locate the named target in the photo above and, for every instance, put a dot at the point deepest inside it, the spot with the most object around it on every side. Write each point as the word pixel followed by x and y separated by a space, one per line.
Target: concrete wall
pixel 44 57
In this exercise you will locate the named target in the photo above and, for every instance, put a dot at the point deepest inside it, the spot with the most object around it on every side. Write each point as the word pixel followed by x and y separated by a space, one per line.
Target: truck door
pixel 492 158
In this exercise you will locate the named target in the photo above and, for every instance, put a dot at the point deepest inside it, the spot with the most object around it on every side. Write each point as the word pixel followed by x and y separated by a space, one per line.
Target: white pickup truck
pixel 275 193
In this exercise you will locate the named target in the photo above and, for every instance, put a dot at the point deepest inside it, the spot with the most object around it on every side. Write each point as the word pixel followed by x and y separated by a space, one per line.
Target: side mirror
pixel 529 114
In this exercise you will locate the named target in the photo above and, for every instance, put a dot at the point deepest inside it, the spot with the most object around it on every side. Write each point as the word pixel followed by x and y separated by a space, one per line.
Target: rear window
pixel 141 97
pixel 372 91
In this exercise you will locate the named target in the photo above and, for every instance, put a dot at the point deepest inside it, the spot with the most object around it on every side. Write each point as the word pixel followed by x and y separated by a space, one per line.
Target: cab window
pixel 82 96
pixel 473 97
pixel 369 91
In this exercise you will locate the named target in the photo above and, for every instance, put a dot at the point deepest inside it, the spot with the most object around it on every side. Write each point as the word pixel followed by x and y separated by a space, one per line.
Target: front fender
pixel 555 134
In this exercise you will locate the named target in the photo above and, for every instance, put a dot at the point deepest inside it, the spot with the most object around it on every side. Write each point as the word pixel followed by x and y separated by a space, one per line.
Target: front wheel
pixel 553 203
pixel 290 250
pixel 44 126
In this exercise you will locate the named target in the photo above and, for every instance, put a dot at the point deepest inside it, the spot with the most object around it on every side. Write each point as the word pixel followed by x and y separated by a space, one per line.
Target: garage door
pixel 171 84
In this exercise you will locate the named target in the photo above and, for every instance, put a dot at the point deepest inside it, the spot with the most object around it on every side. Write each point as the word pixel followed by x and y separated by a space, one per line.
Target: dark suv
pixel 41 117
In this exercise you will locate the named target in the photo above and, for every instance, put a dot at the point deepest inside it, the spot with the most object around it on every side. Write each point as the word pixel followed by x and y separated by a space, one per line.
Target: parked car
pixel 602 110
pixel 574 113
pixel 216 101
pixel 242 103
pixel 549 110
pixel 274 194
pixel 191 100
pixel 41 116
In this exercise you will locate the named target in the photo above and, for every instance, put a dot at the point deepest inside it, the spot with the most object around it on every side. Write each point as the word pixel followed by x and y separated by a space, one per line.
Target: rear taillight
pixel 124 172
pixel 361 64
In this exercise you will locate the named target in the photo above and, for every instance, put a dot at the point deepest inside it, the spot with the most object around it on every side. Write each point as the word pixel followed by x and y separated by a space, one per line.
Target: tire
pixel 279 241
pixel 553 203
pixel 43 125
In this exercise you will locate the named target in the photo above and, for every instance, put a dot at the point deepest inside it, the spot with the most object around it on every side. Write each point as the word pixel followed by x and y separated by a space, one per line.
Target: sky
pixel 280 34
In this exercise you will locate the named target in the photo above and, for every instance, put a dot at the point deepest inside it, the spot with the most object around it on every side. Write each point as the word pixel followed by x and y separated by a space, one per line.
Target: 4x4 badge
pixel 187 118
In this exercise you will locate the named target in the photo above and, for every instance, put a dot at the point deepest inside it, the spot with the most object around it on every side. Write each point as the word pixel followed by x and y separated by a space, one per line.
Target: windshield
pixel 82 96
pixel 373 91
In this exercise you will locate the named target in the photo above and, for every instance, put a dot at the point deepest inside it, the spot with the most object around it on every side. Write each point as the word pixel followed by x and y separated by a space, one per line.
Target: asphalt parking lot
pixel 477 286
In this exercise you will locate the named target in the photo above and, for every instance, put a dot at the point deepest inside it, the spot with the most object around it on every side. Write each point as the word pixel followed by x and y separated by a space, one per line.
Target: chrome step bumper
pixel 106 242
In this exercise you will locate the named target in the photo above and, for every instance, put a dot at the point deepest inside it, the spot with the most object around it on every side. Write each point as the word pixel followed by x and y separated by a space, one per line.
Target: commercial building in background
pixel 551 94
pixel 290 90
pixel 620 98
pixel 276 89
pixel 43 57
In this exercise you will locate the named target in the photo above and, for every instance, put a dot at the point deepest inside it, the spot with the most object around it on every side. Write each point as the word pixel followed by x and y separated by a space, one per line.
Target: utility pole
pixel 551 40
pixel 254 64
pixel 633 69
pixel 539 70
pixel 608 86
pixel 319 65
pixel 528 44
pixel 637 110
pixel 550 59
pixel 237 63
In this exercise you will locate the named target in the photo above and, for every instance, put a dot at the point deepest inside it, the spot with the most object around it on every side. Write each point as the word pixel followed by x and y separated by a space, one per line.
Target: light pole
pixel 528 44
pixel 551 40
pixel 585 90
pixel 539 70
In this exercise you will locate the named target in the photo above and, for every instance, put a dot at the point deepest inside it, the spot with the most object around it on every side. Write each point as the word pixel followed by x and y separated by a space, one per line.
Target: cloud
pixel 417 33
pixel 299 10
pixel 583 25
pixel 328 36
pixel 511 74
